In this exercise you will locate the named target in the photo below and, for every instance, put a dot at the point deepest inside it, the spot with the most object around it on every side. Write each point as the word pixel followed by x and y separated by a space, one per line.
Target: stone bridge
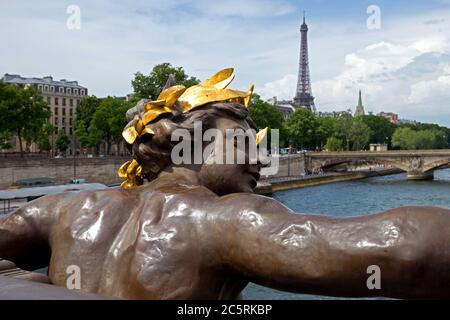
pixel 419 164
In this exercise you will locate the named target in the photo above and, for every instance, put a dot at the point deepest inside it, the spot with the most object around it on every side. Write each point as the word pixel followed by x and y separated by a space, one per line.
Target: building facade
pixel 392 117
pixel 62 96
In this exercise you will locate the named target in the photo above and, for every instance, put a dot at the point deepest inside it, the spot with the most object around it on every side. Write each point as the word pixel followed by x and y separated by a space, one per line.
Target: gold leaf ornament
pixel 261 135
pixel 131 172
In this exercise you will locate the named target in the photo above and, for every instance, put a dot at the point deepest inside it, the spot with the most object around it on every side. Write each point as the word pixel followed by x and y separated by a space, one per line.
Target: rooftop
pixel 15 78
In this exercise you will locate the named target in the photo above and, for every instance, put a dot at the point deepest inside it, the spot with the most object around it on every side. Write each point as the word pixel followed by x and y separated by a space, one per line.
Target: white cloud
pixel 424 90
pixel 283 88
pixel 404 69
pixel 259 38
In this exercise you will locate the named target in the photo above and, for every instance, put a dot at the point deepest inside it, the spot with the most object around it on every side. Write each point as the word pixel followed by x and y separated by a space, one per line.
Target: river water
pixel 357 198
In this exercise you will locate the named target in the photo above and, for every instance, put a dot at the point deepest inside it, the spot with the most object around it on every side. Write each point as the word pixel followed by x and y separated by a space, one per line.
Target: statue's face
pixel 230 178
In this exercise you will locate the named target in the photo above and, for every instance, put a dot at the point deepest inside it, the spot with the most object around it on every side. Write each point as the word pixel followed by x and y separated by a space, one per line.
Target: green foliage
pixel 334 144
pixel 150 86
pixel 325 129
pixel 265 115
pixel 409 139
pixel 106 124
pixel 300 127
pixel 62 141
pixel 85 112
pixel 343 128
pixel 381 128
pixel 43 140
pixel 5 138
pixel 23 113
pixel 359 133
pixel 86 109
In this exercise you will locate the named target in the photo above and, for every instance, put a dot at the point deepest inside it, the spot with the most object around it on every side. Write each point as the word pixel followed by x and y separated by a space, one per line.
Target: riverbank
pixel 270 185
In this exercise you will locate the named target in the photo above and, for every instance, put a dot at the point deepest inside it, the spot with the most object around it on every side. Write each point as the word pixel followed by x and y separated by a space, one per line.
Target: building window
pixel 61 90
pixel 64 101
pixel 78 101
pixel 69 91
pixel 56 101
pixel 56 121
pixel 63 121
pixel 70 131
pixel 63 111
pixel 75 91
pixel 49 100
pixel 56 109
pixel 46 88
pixel 70 111
pixel 40 87
pixel 82 92
pixel 70 121
pixel 52 88
pixel 71 102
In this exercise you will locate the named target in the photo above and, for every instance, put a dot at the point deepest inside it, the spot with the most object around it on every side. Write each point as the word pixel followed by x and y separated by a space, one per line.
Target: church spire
pixel 359 108
pixel 360 100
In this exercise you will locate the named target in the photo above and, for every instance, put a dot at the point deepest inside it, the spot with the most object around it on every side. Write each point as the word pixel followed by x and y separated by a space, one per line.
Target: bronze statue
pixel 197 231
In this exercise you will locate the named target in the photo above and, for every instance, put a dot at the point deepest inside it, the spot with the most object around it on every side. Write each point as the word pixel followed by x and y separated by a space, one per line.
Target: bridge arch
pixel 419 164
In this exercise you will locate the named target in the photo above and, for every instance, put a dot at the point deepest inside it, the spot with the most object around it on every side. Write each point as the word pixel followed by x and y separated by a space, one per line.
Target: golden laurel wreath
pixel 214 89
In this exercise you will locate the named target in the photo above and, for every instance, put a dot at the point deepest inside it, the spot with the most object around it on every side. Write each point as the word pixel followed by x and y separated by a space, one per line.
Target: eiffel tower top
pixel 304 26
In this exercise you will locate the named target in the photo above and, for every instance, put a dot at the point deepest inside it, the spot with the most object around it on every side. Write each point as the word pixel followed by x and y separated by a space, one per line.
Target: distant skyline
pixel 404 67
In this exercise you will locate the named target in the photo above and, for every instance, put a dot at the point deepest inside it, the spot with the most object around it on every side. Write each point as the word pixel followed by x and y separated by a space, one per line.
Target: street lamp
pixel 74 142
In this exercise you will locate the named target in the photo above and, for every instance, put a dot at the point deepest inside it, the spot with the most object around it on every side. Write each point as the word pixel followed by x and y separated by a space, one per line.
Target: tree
pixel 409 139
pixel 334 144
pixel 43 140
pixel 265 115
pixel 85 111
pixel 403 138
pixel 381 128
pixel 150 86
pixel 62 141
pixel 108 122
pixel 359 133
pixel 300 128
pixel 343 128
pixel 23 113
pixel 326 128
pixel 5 140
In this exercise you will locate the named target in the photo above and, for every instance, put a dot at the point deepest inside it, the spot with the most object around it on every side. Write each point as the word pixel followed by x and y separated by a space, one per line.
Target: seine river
pixel 358 198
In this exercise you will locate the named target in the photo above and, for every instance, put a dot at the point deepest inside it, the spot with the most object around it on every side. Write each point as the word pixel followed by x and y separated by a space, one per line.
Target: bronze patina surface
pixel 198 232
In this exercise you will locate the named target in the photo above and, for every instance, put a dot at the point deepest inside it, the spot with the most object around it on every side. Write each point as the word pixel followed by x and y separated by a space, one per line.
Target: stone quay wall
pixel 102 170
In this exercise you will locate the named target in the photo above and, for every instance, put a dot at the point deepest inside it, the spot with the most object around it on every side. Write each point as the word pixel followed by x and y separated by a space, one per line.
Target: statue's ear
pixel 171 81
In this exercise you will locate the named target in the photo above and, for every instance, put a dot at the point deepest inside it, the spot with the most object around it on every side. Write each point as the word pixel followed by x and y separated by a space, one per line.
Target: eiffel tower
pixel 303 97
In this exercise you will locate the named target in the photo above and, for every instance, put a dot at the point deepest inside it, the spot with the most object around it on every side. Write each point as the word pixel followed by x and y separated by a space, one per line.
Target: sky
pixel 403 66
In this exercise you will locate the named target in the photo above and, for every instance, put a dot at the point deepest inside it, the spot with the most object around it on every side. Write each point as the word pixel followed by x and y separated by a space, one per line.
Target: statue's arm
pixel 24 233
pixel 268 244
